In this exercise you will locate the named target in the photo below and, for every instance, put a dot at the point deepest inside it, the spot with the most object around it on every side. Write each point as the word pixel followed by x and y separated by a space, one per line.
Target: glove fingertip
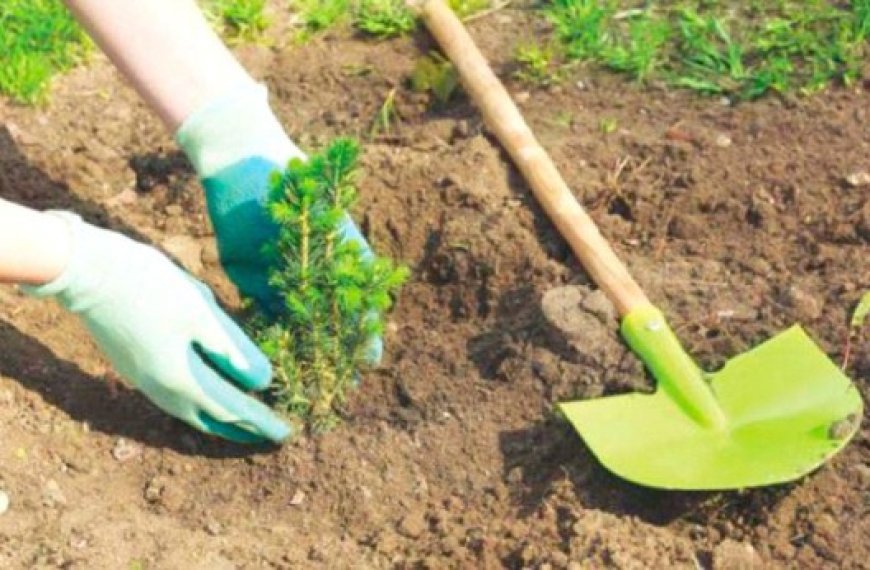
pixel 256 368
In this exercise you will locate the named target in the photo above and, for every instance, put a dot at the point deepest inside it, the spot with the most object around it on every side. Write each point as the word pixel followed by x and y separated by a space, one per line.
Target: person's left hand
pixel 163 331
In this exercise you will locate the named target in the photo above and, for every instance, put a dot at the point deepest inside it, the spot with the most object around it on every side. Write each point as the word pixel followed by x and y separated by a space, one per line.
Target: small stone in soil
pixel 298 498
pixel 52 496
pixel 213 527
pixel 122 198
pixel 723 141
pixel 733 555
pixel 154 489
pixel 125 450
pixel 806 305
pixel 4 502
pixel 413 525
pixel 858 179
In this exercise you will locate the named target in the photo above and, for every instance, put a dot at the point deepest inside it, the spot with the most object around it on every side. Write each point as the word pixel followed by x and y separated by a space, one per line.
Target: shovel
pixel 770 415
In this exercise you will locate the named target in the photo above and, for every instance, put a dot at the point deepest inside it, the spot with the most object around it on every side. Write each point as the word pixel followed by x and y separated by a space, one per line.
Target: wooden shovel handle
pixel 504 119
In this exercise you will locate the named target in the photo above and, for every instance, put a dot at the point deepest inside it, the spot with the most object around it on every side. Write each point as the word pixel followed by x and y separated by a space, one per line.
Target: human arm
pixel 166 50
pixel 34 247
pixel 160 328
pixel 220 117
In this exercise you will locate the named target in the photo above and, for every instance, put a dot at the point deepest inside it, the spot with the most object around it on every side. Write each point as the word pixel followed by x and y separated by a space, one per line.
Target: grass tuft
pixel 384 18
pixel 38 38
pixel 740 49
pixel 239 20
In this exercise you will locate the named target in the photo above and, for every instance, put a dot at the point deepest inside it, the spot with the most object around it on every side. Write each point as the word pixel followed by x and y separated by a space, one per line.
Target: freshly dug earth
pixel 738 220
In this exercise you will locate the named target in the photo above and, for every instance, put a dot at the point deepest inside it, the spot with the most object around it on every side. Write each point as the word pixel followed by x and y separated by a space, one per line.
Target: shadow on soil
pixel 107 406
pixel 113 409
pixel 550 451
pixel 25 184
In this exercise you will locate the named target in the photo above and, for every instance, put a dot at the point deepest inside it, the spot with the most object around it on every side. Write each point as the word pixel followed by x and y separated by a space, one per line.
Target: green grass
pixel 38 38
pixel 378 18
pixel 384 18
pixel 239 20
pixel 466 8
pixel 319 15
pixel 537 64
pixel 740 49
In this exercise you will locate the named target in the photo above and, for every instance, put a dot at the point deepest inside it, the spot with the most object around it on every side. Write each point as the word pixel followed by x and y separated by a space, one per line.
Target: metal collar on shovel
pixel 770 415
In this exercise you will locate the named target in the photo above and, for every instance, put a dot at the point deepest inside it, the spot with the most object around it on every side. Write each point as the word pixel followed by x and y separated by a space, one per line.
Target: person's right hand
pixel 236 145
pixel 163 331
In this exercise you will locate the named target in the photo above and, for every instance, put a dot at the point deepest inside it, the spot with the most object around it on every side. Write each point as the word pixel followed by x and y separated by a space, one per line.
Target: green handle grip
pixel 649 336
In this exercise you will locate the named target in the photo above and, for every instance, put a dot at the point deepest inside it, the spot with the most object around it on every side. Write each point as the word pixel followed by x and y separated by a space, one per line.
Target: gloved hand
pixel 235 143
pixel 162 330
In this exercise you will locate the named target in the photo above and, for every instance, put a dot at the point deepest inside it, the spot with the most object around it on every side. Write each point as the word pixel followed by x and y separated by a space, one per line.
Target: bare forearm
pixel 34 247
pixel 166 49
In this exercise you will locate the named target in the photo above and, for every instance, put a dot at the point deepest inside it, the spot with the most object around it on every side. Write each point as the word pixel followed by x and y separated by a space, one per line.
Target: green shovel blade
pixel 787 409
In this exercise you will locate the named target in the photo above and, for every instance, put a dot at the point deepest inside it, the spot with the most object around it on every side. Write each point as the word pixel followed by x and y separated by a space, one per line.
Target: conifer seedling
pixel 335 293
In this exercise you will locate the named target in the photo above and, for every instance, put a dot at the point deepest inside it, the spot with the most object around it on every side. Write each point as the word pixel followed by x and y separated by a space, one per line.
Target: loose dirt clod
pixel 733 555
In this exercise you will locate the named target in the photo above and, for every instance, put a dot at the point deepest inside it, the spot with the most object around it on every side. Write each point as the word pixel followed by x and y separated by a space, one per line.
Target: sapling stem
pixel 335 292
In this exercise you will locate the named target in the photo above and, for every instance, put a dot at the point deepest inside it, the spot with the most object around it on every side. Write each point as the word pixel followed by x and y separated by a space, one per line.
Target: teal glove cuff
pixel 234 128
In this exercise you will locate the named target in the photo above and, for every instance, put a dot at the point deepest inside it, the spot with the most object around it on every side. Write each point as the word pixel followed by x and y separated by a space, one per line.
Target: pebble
pixel 723 141
pixel 125 450
pixel 213 527
pixel 413 525
pixel 4 502
pixel 298 498
pixel 52 496
pixel 858 179
pixel 153 490
pixel 186 250
pixel 174 210
pixel 733 555
pixel 807 306
pixel 123 198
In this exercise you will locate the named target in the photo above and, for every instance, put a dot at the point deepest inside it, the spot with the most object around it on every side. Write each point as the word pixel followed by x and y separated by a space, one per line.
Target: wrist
pixel 56 244
pixel 35 247
pixel 233 127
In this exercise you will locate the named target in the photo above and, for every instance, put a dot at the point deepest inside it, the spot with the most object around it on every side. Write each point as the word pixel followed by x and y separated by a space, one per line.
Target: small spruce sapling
pixel 335 293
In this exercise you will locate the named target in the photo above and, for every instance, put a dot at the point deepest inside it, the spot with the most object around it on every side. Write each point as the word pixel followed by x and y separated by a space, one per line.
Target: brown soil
pixel 737 220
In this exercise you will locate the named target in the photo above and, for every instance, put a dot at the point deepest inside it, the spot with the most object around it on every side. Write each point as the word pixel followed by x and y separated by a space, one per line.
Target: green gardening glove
pixel 162 330
pixel 235 144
